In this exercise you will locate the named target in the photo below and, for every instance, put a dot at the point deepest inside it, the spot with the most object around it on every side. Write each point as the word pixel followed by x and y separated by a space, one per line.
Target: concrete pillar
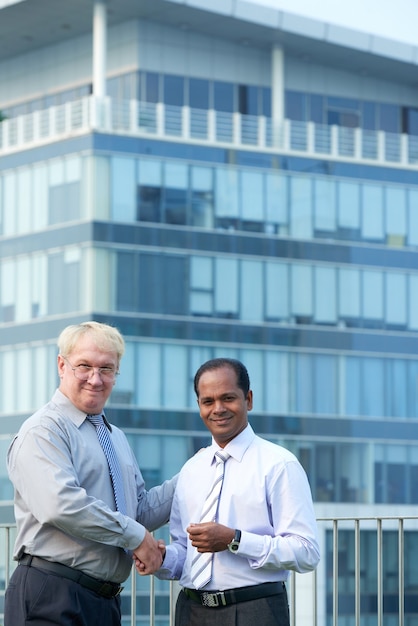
pixel 277 92
pixel 99 48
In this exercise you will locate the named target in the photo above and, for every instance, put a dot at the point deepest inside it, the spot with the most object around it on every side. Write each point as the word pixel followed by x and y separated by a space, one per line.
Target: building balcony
pixel 367 575
pixel 207 127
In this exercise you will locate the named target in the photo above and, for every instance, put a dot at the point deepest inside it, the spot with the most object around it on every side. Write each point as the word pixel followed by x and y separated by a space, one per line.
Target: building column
pixel 277 92
pixel 99 48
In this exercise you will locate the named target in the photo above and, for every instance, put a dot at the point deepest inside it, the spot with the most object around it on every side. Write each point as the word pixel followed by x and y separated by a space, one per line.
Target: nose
pixel 95 377
pixel 219 407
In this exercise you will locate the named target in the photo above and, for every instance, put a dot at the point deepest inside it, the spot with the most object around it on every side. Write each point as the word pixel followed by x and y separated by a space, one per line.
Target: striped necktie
pixel 112 460
pixel 201 570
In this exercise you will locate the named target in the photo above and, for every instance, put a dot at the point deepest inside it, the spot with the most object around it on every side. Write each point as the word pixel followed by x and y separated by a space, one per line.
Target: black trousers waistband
pixel 103 588
pixel 218 599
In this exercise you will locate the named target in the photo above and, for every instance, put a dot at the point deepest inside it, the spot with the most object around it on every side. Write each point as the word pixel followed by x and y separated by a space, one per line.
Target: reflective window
pixel 389 118
pixel 123 189
pixel 372 297
pixel 226 287
pixel 198 93
pixel 202 197
pixel 301 207
pixel 372 214
pixel 173 90
pixel 325 206
pixel 223 96
pixel 325 305
pixel 226 198
pixel 251 291
pixel 176 193
pixel 149 191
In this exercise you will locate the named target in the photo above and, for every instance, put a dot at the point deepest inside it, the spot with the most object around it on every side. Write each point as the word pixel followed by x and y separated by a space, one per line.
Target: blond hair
pixel 106 337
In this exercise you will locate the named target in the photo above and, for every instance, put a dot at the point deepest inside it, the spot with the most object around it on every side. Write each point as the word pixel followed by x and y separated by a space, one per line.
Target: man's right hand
pixel 148 556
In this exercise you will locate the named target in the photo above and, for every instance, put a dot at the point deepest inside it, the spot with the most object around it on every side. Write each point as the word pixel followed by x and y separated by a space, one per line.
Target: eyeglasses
pixel 85 372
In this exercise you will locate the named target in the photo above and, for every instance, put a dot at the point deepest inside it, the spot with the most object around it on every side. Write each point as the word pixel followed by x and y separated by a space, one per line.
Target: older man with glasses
pixel 81 507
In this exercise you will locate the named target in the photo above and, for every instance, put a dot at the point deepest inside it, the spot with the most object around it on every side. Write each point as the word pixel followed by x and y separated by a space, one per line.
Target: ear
pixel 60 365
pixel 249 400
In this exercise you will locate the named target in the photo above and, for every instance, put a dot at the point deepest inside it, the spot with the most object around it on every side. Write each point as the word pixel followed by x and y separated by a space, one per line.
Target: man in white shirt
pixel 264 524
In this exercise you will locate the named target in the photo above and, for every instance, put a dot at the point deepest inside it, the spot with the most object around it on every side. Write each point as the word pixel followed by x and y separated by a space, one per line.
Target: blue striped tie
pixel 201 570
pixel 112 460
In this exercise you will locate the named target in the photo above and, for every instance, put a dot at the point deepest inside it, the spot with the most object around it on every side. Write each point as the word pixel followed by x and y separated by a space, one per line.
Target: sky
pixel 396 19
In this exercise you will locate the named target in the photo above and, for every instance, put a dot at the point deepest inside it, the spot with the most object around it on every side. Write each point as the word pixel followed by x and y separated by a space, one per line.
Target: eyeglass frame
pixel 115 373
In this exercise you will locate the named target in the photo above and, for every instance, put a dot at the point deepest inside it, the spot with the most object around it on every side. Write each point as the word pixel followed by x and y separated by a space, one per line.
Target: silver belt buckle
pixel 213 599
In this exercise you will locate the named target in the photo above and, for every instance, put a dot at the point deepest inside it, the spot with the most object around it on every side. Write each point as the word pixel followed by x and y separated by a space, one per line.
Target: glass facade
pixel 299 261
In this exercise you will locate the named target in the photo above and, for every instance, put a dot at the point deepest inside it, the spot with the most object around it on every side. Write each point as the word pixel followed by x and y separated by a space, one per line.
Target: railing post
pixel 236 128
pixel 133 116
pixel 185 122
pixel 211 125
pixel 159 107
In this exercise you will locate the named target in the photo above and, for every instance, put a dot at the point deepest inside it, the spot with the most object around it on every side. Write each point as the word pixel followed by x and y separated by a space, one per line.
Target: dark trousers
pixel 37 598
pixel 272 611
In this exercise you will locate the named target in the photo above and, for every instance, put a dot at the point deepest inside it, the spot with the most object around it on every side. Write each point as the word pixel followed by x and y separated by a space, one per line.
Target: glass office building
pixel 216 179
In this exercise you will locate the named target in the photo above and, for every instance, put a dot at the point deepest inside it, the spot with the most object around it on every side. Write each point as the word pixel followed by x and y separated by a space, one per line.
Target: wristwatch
pixel 234 545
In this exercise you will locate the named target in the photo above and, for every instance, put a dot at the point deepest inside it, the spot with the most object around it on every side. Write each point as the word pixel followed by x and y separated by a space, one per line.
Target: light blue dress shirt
pixel 64 502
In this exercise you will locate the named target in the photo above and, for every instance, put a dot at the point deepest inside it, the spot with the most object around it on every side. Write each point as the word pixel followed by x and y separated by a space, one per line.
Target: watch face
pixel 234 546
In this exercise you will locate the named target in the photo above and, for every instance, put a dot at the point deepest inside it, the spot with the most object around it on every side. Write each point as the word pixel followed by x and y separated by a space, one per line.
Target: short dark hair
pixel 243 379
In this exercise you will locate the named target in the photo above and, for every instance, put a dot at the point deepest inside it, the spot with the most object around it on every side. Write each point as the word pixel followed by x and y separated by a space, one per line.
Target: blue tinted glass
pixel 369 116
pixel 248 100
pixel 295 106
pixel 389 118
pixel 151 87
pixel 343 103
pixel 410 124
pixel 198 93
pixel 266 101
pixel 174 90
pixel 223 94
pixel 316 109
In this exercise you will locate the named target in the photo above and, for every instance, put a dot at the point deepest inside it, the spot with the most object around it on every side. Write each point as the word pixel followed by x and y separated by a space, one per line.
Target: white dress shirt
pixel 64 502
pixel 266 495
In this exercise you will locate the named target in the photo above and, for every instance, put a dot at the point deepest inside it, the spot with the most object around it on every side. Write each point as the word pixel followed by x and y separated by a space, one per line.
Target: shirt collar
pixel 67 408
pixel 239 444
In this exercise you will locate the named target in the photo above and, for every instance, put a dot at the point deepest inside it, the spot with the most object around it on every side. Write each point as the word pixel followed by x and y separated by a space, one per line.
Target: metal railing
pixel 328 595
pixel 144 119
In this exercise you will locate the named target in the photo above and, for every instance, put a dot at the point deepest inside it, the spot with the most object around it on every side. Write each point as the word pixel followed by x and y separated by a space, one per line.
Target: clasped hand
pixel 149 555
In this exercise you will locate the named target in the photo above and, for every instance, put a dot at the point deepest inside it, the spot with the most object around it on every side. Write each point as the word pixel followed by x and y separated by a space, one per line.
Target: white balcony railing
pixel 335 593
pixel 143 119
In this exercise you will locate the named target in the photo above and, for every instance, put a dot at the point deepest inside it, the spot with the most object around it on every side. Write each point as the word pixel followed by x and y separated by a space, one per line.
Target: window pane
pixel 226 287
pixel 396 299
pixel 325 384
pixel 396 214
pixel 150 191
pixel 276 201
pixel 325 295
pixel 198 93
pixel 226 197
pixel 149 375
pixel 202 197
pixel 176 193
pixel 373 295
pixel 277 383
pixel 413 302
pixel 413 218
pixel 349 293
pixel 251 305
pixel 223 96
pixel 123 189
pixel 301 207
pixel 252 195
pixel 173 90
pixel 175 387
pixel 301 288
pixel 372 212
pixel 325 205
pixel 277 291
pixel 348 206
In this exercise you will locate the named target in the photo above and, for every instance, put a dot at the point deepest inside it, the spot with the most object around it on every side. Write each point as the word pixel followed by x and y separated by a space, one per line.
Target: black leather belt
pixel 104 588
pixel 218 599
